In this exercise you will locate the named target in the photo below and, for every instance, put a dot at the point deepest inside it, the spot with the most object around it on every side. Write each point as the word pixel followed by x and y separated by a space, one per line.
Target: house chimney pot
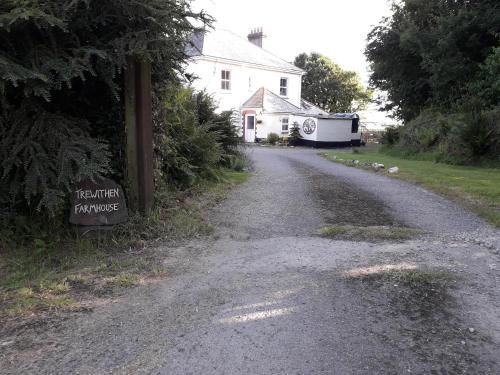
pixel 256 36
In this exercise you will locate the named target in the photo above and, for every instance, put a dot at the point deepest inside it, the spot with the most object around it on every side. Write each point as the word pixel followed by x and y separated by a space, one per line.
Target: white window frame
pixel 225 80
pixel 282 122
pixel 285 87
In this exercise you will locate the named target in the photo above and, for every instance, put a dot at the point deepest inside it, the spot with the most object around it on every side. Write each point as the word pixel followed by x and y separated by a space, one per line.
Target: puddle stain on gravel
pixel 344 204
pixel 421 310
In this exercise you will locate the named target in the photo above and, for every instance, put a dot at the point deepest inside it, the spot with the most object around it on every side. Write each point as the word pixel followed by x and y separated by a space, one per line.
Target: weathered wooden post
pixel 131 132
pixel 139 129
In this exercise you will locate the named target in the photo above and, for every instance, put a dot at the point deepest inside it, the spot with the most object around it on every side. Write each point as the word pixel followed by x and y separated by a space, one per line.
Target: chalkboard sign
pixel 98 203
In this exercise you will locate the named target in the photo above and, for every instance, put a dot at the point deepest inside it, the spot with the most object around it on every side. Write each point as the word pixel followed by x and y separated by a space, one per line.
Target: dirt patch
pixel 369 234
pixel 424 318
pixel 341 203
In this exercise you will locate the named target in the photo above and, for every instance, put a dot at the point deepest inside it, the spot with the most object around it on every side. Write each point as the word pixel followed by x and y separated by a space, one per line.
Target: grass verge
pixel 62 270
pixel 370 234
pixel 476 188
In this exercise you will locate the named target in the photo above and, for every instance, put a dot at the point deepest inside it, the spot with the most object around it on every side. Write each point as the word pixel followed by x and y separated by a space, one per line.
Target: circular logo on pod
pixel 309 126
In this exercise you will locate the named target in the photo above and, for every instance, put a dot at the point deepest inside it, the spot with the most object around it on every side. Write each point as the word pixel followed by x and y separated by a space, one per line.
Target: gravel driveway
pixel 267 295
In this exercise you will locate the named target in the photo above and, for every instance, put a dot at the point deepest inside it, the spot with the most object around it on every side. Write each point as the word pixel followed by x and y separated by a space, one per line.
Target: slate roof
pixel 343 116
pixel 310 109
pixel 224 44
pixel 269 102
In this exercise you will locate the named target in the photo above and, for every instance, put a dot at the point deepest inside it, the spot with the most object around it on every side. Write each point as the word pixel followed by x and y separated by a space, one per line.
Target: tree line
pixel 438 62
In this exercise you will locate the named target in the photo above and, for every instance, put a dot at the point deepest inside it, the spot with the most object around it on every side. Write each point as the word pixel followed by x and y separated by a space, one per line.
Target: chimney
pixel 256 37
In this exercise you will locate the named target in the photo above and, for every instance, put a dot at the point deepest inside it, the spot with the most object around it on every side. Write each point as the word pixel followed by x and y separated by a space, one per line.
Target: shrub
pixel 185 148
pixel 474 137
pixel 192 141
pixel 481 133
pixel 294 137
pixel 391 135
pixel 223 124
pixel 470 136
pixel 424 132
pixel 273 138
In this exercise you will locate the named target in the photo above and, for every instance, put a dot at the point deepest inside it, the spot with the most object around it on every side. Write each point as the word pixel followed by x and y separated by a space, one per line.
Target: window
pixel 355 125
pixel 284 125
pixel 283 86
pixel 250 122
pixel 225 80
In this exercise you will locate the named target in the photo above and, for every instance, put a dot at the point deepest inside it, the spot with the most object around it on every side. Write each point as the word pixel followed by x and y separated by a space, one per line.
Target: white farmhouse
pixel 266 90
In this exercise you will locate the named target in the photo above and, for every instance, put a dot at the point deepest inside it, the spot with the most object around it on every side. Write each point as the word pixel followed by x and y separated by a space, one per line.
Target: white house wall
pixel 245 80
pixel 270 124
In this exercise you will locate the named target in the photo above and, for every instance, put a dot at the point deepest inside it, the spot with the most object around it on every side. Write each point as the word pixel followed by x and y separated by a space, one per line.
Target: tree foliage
pixel 42 154
pixel 328 86
pixel 61 65
pixel 435 53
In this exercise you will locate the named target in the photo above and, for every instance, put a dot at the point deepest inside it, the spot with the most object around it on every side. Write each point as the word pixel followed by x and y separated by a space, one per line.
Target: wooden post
pixel 131 131
pixel 144 135
pixel 139 128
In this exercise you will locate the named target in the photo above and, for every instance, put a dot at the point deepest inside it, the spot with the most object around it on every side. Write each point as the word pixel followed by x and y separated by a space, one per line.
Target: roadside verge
pixel 475 188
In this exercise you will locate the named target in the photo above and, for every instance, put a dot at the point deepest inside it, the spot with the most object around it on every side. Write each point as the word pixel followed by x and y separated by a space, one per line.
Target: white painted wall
pixel 271 124
pixel 245 81
pixel 331 130
pixel 300 120
pixel 327 130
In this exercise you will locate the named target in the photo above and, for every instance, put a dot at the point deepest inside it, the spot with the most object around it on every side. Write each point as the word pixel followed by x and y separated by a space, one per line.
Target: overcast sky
pixel 334 28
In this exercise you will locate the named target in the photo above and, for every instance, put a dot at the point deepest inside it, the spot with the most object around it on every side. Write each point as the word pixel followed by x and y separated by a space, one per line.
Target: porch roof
pixel 269 102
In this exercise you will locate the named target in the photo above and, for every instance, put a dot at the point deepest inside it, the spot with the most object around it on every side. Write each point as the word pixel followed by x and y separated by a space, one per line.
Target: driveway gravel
pixel 267 295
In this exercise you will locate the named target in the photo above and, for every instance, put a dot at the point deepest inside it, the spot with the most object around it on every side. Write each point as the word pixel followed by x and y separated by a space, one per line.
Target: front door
pixel 250 128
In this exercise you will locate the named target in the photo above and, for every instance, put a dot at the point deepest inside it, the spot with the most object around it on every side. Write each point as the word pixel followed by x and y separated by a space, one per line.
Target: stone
pixel 98 203
pixel 356 162
pixel 393 170
pixel 378 166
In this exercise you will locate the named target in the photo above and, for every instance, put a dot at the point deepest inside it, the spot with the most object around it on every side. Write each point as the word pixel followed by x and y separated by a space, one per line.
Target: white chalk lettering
pixel 97 194
pixel 96 208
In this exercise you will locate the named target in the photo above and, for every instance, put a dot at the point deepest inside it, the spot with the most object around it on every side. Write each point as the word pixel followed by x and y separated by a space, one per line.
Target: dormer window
pixel 284 86
pixel 225 80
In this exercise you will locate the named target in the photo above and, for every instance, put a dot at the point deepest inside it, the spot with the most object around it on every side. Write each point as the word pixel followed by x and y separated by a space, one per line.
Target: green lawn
pixel 476 188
